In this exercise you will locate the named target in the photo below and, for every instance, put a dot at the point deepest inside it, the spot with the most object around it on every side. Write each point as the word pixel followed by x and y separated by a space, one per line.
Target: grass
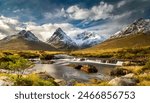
pixel 93 82
pixel 137 40
pixel 139 54
pixel 29 80
pixel 14 62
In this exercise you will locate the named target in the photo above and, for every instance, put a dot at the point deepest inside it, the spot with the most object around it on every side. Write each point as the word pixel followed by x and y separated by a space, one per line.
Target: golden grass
pixel 134 69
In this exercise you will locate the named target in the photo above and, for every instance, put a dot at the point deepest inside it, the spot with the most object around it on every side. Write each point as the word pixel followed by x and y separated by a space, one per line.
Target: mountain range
pixel 25 40
pixel 136 34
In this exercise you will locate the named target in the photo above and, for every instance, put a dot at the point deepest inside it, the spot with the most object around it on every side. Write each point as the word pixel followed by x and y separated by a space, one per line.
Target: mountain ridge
pixel 24 40
pixel 135 35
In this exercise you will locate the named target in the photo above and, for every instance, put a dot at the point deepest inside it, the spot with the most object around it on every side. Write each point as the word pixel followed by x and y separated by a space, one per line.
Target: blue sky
pixel 42 17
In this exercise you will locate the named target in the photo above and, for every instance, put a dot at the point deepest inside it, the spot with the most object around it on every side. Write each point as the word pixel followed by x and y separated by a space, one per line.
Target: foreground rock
pixel 119 72
pixel 127 80
pixel 5 81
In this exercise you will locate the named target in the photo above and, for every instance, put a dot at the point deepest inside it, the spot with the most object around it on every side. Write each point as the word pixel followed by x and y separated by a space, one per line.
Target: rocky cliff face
pixel 61 40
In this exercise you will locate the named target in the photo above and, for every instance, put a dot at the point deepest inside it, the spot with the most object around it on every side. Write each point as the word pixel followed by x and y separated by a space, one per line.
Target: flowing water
pixel 60 70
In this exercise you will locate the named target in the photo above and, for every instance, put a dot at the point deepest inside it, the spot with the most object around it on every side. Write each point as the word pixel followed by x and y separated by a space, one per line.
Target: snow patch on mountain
pixel 140 25
pixel 87 39
pixel 61 40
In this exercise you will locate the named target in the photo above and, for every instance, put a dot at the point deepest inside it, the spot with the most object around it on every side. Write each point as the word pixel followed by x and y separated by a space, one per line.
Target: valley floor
pixel 135 69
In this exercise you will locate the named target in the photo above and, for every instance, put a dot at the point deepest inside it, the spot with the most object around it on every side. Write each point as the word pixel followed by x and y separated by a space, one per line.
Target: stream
pixel 60 70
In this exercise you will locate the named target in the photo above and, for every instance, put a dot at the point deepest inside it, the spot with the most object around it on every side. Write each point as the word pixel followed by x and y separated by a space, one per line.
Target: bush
pixel 14 62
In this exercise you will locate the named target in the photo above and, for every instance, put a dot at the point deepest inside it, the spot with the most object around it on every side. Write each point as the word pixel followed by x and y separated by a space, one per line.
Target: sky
pixel 43 17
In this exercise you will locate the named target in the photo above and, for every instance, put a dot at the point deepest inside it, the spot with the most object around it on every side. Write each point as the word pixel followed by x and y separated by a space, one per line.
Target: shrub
pixel 14 62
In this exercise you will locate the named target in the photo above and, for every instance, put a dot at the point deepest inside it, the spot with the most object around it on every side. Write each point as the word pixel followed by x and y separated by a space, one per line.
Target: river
pixel 60 70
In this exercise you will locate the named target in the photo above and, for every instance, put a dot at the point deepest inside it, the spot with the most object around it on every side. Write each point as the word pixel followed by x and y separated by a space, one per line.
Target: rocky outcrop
pixel 61 40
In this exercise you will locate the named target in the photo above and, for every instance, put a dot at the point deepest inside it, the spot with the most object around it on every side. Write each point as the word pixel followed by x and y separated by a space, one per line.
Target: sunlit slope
pixel 22 44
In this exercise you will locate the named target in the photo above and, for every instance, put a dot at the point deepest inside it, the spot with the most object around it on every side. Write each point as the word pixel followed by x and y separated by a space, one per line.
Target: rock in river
pixel 89 69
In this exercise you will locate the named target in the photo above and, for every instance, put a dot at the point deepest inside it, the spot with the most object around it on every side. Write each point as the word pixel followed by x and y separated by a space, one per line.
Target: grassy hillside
pixel 21 44
pixel 138 40
pixel 130 47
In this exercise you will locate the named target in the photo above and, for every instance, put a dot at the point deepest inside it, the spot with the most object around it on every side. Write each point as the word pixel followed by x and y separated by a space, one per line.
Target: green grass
pixel 29 80
pixel 14 62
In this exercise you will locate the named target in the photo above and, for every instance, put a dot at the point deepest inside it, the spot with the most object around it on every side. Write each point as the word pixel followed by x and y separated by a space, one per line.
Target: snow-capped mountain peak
pixel 87 39
pixel 139 26
pixel 61 40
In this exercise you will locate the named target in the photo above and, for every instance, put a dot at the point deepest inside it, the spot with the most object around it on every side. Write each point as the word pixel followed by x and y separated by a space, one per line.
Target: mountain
pixel 136 34
pixel 87 39
pixel 24 40
pixel 61 40
pixel 139 26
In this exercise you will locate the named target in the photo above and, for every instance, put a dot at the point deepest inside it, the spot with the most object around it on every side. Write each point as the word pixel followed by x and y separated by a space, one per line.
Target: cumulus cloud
pixel 9 26
pixel 46 30
pixel 101 11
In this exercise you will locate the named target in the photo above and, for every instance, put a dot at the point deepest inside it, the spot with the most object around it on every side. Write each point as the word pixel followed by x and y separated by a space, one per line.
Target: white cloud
pixel 101 11
pixel 121 3
pixel 9 26
pixel 56 14
pixel 46 30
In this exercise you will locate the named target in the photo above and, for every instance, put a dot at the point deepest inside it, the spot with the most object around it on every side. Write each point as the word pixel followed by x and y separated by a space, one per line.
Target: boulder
pixel 122 81
pixel 119 72
pixel 89 69
pixel 78 67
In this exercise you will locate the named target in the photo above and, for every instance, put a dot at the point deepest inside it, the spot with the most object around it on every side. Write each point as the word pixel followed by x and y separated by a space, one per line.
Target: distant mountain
pixel 136 34
pixel 24 40
pixel 27 35
pixel 139 26
pixel 61 40
pixel 87 39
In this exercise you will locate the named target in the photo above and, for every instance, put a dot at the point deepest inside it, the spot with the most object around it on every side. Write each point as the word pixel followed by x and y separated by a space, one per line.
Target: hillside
pixel 22 44
pixel 131 41
pixel 24 40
